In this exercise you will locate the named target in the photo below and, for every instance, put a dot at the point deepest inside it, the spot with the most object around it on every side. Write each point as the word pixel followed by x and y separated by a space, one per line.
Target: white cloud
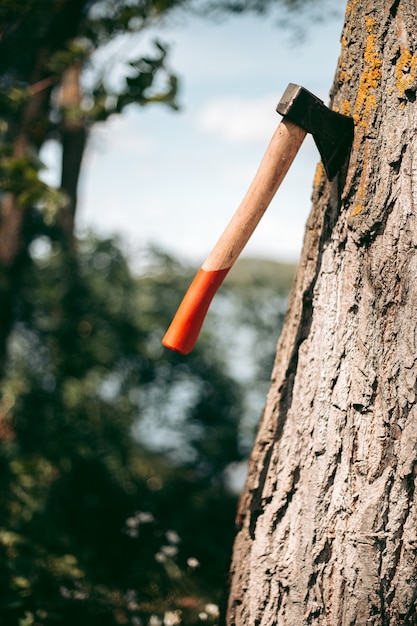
pixel 120 135
pixel 240 120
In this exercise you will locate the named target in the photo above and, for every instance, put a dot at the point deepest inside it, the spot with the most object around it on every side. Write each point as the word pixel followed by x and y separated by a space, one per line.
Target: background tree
pixel 45 49
pixel 116 456
pixel 327 523
pixel 97 525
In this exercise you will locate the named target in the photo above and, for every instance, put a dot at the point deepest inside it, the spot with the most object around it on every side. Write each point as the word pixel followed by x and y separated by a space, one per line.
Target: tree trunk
pixel 327 523
pixel 73 141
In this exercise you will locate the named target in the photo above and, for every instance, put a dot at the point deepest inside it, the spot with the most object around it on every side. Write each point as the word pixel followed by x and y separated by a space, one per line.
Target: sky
pixel 174 179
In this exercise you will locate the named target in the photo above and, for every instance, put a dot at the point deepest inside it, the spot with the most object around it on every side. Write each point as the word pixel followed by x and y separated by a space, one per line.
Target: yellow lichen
pixel 405 72
pixel 345 109
pixel 370 23
pixel 357 209
pixel 343 72
pixel 365 100
pixel 351 6
pixel 318 174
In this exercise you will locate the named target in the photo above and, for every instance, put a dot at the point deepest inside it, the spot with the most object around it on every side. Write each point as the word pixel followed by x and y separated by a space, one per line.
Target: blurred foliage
pixel 72 475
pixel 247 317
pixel 115 505
pixel 294 17
pixel 117 458
pixel 40 41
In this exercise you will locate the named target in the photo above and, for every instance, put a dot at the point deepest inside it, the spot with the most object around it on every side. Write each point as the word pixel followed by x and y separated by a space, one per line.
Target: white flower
pixel 212 609
pixel 173 537
pixel 154 621
pixel 170 551
pixel 144 517
pixel 203 617
pixel 193 563
pixel 160 557
pixel 65 592
pixel 172 618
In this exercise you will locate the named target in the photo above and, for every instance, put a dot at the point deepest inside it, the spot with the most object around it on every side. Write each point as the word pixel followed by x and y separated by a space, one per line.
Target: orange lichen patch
pixel 345 108
pixel 405 71
pixel 370 23
pixel 344 65
pixel 365 100
pixel 342 70
pixel 344 74
pixel 318 174
pixel 357 209
pixel 351 6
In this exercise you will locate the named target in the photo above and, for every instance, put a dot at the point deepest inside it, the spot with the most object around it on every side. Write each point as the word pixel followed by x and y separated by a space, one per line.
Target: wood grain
pixel 278 157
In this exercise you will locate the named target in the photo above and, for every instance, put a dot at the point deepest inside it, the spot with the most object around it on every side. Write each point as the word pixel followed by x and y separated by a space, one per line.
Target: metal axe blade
pixel 332 131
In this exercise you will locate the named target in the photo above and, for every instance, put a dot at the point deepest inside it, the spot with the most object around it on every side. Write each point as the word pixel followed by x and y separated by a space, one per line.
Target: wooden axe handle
pixel 185 327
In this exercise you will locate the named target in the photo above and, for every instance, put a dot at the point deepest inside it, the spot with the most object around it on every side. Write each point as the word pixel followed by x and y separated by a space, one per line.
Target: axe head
pixel 332 132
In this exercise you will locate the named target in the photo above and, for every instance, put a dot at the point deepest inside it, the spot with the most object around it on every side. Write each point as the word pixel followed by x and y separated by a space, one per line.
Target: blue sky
pixel 175 179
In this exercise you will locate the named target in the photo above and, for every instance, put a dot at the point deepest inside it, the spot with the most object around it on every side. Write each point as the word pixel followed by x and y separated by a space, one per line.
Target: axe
pixel 302 113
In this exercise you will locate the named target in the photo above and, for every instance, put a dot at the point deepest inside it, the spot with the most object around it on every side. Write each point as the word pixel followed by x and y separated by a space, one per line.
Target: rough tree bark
pixel 327 523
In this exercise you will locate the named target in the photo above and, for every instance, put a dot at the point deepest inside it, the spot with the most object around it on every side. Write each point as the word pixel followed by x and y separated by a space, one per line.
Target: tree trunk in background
pixel 28 133
pixel 73 140
pixel 12 215
pixel 327 525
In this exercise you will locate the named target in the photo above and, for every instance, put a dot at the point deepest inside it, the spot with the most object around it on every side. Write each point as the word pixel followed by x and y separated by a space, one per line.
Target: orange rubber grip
pixel 186 325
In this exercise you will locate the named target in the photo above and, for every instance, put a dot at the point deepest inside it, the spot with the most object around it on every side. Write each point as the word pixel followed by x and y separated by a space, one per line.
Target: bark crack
pixel 256 503
pixel 289 496
pixel 394 8
pixel 324 227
